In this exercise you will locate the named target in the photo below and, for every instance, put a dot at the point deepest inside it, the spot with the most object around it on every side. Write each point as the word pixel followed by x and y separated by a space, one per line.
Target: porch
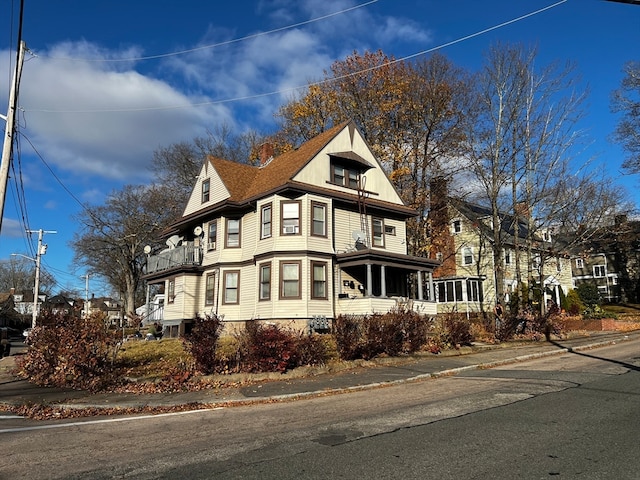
pixel 185 255
pixel 377 281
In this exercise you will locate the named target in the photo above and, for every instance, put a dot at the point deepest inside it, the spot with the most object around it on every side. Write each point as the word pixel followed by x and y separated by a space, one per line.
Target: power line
pixel 321 82
pixel 220 44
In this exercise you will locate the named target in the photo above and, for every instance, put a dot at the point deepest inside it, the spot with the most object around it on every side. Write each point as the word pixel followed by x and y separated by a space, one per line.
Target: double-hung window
pixel 319 280
pixel 210 289
pixel 319 219
pixel 233 233
pixel 467 256
pixel 290 279
pixel 206 190
pixel 378 232
pixel 212 235
pixel 265 281
pixel 265 221
pixel 171 290
pixel 231 286
pixel 290 215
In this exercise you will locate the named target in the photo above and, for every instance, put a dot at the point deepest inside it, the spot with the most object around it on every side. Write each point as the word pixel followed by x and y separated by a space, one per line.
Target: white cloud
pixel 396 29
pixel 12 228
pixel 99 118
pixel 93 119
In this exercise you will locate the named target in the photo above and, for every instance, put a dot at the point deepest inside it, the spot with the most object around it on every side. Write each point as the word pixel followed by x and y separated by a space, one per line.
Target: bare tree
pixel 19 272
pixel 177 166
pixel 113 236
pixel 521 148
pixel 626 100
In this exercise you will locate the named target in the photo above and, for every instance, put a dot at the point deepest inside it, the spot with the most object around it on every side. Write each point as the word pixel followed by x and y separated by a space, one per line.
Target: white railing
pixel 180 256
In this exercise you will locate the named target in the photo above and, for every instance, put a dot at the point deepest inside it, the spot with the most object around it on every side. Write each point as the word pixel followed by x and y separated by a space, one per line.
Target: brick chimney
pixel 266 153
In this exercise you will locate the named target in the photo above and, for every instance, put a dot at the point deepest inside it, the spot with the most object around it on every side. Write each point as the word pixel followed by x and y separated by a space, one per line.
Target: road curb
pixel 234 402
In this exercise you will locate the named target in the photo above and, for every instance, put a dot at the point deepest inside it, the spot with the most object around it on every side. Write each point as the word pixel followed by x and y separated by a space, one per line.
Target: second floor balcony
pixel 185 255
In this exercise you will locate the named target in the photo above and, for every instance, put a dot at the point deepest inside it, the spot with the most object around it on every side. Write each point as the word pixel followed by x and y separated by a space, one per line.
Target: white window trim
pixel 470 250
pixel 454 222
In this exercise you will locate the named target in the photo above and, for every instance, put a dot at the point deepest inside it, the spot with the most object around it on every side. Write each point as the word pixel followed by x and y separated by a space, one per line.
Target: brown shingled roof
pixel 245 182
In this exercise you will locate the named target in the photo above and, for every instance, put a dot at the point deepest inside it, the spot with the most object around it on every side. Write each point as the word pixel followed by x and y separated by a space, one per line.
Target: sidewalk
pixel 21 392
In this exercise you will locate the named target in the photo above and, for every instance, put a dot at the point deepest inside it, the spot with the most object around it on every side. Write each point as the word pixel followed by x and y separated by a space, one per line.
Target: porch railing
pixel 181 256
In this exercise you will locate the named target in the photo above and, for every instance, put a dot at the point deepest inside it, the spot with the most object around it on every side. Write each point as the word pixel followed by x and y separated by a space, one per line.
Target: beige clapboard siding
pixel 396 243
pixel 185 304
pixel 347 222
pixel 217 191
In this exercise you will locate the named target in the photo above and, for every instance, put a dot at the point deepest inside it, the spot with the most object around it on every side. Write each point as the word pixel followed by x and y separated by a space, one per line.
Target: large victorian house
pixel 316 232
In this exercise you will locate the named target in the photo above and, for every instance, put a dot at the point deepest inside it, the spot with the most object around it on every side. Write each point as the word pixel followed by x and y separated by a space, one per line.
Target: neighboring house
pixel 316 232
pixel 609 258
pixel 599 269
pixel 8 315
pixel 461 238
pixel 156 310
pixel 62 304
pixel 24 302
pixel 110 308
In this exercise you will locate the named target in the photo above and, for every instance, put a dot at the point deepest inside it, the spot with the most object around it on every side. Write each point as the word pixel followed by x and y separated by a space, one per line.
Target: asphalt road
pixel 572 416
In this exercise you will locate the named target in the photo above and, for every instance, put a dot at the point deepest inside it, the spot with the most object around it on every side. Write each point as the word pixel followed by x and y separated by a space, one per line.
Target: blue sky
pixel 110 82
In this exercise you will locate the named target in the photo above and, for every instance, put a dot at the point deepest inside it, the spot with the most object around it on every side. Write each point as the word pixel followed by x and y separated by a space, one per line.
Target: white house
pixel 316 232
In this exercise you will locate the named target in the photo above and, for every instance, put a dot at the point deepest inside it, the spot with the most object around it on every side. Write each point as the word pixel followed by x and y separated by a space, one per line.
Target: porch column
pixel 420 293
pixel 367 293
pixel 338 281
pixel 432 291
pixel 383 282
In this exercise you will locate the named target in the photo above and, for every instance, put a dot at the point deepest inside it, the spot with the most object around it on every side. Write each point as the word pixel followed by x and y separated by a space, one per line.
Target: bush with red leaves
pixel 270 348
pixel 396 332
pixel 202 343
pixel 67 351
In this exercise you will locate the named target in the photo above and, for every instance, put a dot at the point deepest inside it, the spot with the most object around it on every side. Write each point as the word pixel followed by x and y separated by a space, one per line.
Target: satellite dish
pixel 147 249
pixel 173 241
pixel 358 236
pixel 197 231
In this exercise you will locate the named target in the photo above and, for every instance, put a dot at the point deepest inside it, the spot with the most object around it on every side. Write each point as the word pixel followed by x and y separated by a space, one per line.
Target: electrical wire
pixel 215 45
pixel 312 84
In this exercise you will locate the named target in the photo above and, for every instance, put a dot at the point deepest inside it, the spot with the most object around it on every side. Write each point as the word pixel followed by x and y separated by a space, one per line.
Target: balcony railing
pixel 185 255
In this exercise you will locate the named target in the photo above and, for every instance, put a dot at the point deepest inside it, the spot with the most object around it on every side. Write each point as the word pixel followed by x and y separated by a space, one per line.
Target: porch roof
pixel 379 257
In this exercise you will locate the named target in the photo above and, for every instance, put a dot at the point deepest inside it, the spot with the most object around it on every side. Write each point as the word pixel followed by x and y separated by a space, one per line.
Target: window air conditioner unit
pixel 211 246
pixel 290 229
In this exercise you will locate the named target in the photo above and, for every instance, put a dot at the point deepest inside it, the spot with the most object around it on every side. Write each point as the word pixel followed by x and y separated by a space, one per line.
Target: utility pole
pixel 86 297
pixel 10 118
pixel 42 249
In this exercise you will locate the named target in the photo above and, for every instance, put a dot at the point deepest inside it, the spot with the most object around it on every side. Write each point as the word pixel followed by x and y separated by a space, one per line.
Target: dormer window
pixel 347 168
pixel 345 177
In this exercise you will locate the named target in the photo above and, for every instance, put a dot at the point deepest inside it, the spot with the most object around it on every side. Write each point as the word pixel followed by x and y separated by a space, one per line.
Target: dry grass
pixel 140 358
pixel 148 359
